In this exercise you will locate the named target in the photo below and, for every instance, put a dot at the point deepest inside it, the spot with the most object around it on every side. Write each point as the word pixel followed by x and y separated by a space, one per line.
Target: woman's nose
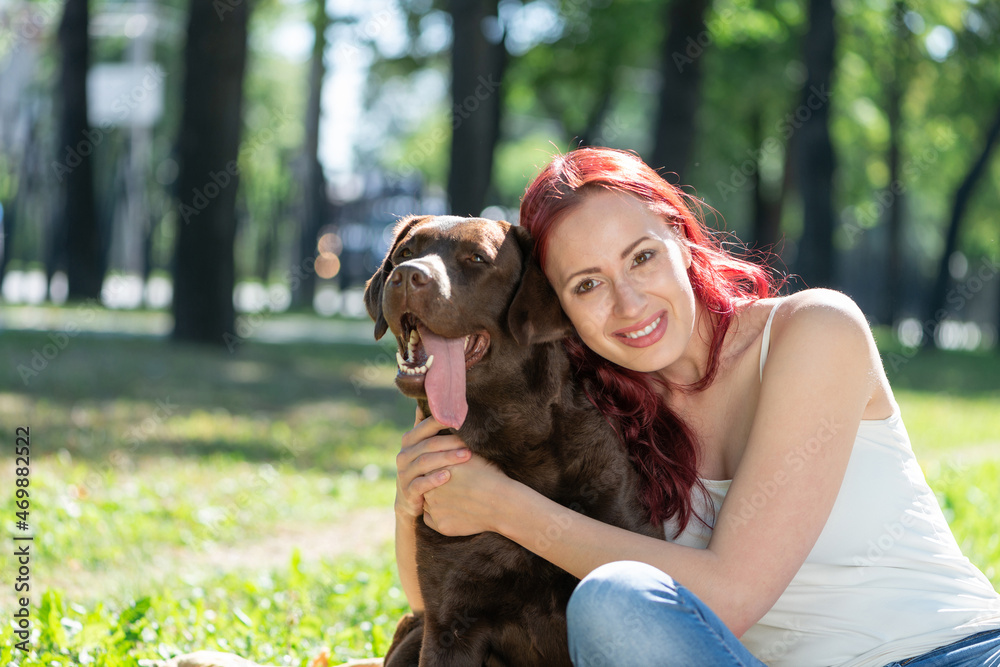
pixel 629 300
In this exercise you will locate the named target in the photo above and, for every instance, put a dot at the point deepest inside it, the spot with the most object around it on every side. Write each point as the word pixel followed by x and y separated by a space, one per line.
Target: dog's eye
pixel 404 253
pixel 479 259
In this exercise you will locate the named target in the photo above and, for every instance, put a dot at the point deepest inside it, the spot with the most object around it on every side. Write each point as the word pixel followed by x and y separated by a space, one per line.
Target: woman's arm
pixel 420 467
pixel 406 560
pixel 821 373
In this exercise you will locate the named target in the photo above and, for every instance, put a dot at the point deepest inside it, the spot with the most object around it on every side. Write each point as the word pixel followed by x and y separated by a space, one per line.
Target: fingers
pixel 410 495
pixel 432 454
pixel 424 483
pixel 422 430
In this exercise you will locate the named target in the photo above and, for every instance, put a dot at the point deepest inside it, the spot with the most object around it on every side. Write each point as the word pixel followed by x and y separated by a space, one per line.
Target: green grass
pixel 155 465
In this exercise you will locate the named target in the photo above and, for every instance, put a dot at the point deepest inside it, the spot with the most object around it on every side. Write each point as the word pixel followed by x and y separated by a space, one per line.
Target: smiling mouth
pixel 645 331
pixel 639 333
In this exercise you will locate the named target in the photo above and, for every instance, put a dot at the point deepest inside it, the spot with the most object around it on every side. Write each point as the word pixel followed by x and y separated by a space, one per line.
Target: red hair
pixel 658 442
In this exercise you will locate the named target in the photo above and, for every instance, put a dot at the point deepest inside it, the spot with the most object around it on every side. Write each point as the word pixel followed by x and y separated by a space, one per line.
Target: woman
pixel 800 528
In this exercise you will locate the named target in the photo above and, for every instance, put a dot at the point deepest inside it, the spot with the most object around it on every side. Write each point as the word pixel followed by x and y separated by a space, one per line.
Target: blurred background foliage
pixel 227 170
pixel 854 138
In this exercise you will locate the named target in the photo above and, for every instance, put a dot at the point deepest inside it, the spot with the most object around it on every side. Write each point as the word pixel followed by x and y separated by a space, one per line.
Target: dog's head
pixel 454 291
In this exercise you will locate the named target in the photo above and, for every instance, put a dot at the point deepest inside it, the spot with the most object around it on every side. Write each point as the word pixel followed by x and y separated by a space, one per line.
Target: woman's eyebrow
pixel 596 269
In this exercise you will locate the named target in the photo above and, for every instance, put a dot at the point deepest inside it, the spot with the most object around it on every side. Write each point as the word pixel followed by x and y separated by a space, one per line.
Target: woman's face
pixel 621 275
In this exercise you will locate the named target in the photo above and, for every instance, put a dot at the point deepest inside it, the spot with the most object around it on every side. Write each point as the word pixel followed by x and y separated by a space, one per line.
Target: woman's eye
pixel 642 257
pixel 586 285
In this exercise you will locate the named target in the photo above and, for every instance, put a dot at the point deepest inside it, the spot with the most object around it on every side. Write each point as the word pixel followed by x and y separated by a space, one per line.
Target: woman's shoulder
pixel 821 316
pixel 819 306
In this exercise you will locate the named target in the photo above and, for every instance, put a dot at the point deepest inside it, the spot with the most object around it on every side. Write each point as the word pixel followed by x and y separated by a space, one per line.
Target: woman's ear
pixel 535 315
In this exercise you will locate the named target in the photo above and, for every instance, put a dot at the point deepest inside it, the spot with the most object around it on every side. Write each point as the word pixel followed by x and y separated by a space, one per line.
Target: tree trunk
pixel 478 60
pixel 315 203
pixel 77 223
pixel 766 206
pixel 8 218
pixel 208 145
pixel 936 307
pixel 680 69
pixel 816 158
pixel 894 211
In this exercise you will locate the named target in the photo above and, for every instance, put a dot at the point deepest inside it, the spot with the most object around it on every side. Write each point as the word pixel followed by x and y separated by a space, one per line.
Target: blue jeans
pixel 627 614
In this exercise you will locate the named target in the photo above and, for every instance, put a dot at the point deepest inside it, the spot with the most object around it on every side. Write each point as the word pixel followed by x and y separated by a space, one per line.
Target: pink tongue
pixel 445 381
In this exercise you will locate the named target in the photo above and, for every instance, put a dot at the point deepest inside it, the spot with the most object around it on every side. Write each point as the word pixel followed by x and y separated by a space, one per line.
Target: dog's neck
pixel 523 401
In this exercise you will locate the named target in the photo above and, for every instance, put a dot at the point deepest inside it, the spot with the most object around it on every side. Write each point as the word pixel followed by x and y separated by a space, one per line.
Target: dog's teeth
pixel 430 360
pixel 414 336
pixel 399 360
pixel 467 339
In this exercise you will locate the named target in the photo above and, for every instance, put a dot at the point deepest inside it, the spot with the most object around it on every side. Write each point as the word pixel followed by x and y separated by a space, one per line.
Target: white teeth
pixel 467 339
pixel 411 343
pixel 415 370
pixel 645 332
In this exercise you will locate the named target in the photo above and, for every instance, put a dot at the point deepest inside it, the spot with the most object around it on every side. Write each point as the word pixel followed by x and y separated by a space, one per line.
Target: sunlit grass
pixel 150 459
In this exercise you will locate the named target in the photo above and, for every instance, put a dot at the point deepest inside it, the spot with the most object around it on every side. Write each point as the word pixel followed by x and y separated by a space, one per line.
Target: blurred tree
pixel 752 78
pixel 815 150
pixel 896 81
pixel 680 74
pixel 77 239
pixel 316 203
pixel 208 142
pixel 478 60
pixel 937 308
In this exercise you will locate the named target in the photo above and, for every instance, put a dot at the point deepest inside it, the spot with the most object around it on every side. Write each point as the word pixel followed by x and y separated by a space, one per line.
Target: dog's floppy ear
pixel 535 315
pixel 376 284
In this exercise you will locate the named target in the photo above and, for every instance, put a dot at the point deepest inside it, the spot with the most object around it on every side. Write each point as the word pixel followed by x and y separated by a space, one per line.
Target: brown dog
pixel 478 326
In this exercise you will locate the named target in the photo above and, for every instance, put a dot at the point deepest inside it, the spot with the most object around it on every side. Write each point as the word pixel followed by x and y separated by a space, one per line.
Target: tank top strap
pixel 765 342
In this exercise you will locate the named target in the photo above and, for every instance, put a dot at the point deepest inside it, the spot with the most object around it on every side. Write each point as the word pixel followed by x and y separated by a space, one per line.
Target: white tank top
pixel 886 579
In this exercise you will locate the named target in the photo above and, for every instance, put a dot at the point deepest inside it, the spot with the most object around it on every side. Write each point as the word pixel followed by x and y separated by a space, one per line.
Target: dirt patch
pixel 359 533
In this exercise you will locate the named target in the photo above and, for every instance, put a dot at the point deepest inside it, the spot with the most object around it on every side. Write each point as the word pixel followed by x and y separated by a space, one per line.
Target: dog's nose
pixel 413 276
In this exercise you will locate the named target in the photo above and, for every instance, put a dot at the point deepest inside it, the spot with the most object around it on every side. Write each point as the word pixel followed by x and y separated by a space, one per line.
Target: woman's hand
pixel 470 502
pixel 424 463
